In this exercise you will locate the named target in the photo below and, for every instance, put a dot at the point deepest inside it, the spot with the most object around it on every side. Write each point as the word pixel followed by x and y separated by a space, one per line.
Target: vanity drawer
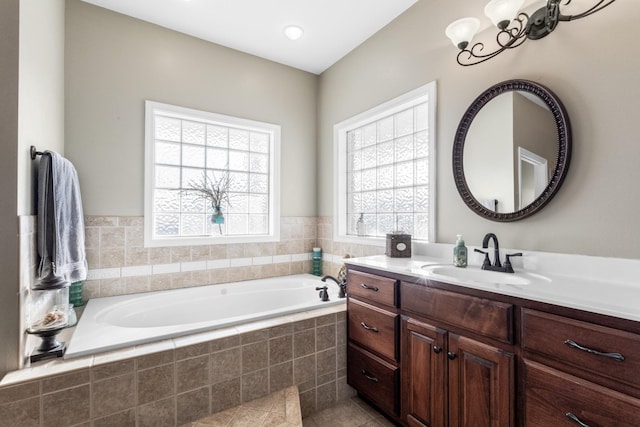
pixel 371 287
pixel 486 317
pixel 373 377
pixel 554 337
pixel 373 328
pixel 552 397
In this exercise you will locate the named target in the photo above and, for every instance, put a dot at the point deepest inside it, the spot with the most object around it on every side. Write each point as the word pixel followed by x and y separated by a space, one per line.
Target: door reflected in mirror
pixel 512 150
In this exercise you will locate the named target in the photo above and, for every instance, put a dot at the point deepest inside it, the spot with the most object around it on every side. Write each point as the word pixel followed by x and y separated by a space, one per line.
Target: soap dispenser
pixel 460 253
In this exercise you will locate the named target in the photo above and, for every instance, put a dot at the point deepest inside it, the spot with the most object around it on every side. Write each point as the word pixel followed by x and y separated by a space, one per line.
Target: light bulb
pixel 293 32
pixel 462 31
pixel 502 12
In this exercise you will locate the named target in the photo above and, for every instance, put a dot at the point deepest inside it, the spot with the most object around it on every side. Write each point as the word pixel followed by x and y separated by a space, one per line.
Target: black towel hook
pixel 35 152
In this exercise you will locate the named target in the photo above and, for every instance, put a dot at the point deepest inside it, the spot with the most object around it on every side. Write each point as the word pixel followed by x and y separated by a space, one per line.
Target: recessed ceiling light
pixel 293 32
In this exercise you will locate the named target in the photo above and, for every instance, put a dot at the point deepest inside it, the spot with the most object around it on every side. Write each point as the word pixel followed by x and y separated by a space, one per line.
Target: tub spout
pixel 341 283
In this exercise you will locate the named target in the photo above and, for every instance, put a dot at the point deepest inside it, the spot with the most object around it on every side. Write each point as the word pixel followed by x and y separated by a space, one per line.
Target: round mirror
pixel 511 150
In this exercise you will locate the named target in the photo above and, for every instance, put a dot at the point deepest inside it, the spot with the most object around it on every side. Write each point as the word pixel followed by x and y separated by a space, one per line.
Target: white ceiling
pixel 332 27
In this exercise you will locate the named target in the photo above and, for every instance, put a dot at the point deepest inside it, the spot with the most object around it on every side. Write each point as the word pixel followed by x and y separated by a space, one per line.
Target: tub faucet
pixel 341 283
pixel 324 295
pixel 497 265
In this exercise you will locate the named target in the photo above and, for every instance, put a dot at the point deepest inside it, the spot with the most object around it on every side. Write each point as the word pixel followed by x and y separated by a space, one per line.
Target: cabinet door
pixel 481 384
pixel 424 359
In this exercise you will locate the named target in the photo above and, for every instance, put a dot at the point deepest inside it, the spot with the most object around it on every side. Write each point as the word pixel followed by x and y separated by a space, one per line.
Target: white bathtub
pixel 127 320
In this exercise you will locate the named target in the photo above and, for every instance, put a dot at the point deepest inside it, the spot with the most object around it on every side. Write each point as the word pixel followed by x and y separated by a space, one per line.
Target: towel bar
pixel 35 152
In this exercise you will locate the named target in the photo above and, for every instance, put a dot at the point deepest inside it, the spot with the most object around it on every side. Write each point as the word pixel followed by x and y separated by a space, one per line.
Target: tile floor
pixel 352 412
pixel 279 409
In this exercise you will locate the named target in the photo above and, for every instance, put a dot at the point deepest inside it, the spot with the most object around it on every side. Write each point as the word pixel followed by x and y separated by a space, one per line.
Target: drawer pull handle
pixel 369 377
pixel 369 328
pixel 575 419
pixel 451 355
pixel 615 356
pixel 371 288
pixel 437 349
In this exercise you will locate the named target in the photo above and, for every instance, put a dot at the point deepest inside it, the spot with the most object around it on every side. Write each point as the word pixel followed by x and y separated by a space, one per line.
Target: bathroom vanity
pixel 432 351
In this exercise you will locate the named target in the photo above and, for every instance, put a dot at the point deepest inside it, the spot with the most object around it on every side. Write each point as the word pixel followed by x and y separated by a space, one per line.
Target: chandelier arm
pixel 601 4
pixel 472 56
pixel 516 35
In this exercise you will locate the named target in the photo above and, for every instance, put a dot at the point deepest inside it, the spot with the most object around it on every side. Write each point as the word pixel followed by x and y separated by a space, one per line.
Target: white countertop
pixel 615 297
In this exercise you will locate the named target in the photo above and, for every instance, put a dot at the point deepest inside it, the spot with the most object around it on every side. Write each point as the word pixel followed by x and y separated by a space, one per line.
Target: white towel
pixel 60 219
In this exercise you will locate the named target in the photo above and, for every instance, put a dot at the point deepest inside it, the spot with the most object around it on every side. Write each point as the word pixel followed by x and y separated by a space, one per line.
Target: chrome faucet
pixel 341 283
pixel 497 265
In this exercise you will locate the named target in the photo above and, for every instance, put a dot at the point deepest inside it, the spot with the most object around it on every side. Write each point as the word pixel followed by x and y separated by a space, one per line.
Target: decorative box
pixel 398 245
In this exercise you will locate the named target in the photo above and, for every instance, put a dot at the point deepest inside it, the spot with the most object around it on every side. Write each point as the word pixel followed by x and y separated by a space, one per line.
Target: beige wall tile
pixel 131 221
pixel 200 253
pixel 111 257
pixel 92 237
pixel 100 221
pixel 111 287
pixel 159 256
pixel 136 256
pixel 111 237
pixel 180 254
pixel 135 285
pixel 134 236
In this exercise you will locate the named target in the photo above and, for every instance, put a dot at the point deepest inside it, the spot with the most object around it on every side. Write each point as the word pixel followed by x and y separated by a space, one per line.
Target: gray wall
pixel 113 63
pixel 9 302
pixel 587 63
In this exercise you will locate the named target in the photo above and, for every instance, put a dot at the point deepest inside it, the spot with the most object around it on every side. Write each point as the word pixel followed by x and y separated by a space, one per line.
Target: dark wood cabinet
pixel 555 398
pixel 424 374
pixel 435 354
pixel 373 329
pixel 448 379
pixel 481 384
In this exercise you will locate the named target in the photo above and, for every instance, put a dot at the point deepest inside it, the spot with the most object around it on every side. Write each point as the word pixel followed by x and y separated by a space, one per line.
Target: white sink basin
pixel 474 274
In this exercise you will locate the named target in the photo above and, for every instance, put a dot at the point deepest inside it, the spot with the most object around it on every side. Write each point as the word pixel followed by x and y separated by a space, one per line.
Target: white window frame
pixel 402 102
pixel 151 109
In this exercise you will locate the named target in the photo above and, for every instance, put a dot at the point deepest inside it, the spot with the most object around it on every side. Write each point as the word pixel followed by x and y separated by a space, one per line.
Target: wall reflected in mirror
pixel 510 151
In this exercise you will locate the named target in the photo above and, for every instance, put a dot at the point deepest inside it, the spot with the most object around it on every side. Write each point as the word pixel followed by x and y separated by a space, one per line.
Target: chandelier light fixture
pixel 514 28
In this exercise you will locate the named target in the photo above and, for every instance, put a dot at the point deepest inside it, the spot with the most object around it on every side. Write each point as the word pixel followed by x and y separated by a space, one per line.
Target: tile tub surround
pixel 187 379
pixel 119 264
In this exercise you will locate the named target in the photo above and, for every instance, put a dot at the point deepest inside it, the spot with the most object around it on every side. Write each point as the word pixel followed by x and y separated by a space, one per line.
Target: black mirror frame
pixel 561 119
